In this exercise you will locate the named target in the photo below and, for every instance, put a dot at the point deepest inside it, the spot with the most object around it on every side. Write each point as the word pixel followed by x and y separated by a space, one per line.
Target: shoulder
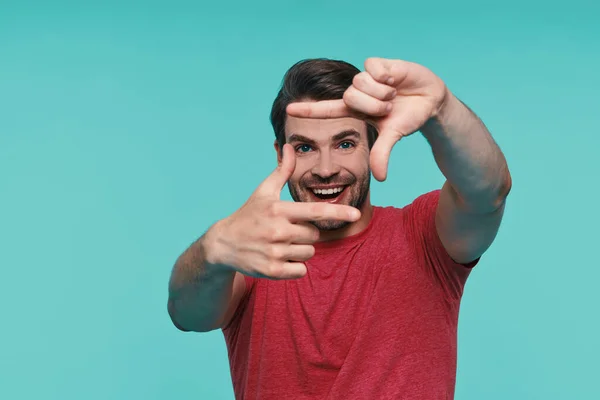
pixel 391 223
pixel 423 205
pixel 413 222
pixel 425 202
pixel 417 230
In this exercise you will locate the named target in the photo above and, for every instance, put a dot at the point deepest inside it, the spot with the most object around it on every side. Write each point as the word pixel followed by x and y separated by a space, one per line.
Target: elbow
pixel 503 190
pixel 488 197
pixel 187 326
pixel 494 197
pixel 508 183
pixel 173 316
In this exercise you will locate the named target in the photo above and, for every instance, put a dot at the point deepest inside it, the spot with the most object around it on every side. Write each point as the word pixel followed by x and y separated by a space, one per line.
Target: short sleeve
pixel 421 228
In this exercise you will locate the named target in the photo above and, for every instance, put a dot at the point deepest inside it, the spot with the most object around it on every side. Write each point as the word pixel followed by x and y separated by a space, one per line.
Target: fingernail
pixel 388 107
pixel 390 81
pixel 355 214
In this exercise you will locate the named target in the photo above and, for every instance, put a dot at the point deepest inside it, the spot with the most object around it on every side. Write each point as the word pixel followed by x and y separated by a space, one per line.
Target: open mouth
pixel 328 194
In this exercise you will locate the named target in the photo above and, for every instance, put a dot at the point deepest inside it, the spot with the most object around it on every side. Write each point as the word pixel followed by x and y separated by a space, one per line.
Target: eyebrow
pixel 337 137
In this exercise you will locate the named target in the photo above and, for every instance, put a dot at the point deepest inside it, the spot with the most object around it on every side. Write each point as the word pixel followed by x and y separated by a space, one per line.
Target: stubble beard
pixel 359 191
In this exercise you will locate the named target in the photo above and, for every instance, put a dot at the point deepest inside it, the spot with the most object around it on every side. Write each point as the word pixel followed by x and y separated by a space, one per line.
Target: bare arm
pixel 400 98
pixel 472 200
pixel 265 238
pixel 203 294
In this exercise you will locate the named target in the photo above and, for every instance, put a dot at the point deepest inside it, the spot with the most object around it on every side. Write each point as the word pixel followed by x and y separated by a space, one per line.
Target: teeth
pixel 328 191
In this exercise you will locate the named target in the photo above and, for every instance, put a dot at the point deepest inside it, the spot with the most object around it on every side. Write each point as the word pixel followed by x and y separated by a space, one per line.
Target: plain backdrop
pixel 128 128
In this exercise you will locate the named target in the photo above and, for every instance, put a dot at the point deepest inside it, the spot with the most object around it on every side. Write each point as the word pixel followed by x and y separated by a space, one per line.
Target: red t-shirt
pixel 374 318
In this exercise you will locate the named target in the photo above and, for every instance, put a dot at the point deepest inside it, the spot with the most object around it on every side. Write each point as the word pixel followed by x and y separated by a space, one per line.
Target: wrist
pixel 443 116
pixel 213 247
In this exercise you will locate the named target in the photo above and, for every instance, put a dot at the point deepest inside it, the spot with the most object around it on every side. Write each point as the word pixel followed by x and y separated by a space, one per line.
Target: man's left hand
pixel 397 97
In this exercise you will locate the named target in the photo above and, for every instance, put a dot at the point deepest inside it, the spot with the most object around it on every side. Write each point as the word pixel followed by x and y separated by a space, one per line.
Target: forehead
pixel 323 129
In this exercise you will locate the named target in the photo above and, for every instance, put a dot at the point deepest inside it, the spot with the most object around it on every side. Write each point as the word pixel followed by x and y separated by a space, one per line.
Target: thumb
pixel 380 154
pixel 275 182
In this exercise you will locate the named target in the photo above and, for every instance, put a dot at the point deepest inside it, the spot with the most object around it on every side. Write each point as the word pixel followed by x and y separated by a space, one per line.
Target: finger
pixel 305 233
pixel 365 104
pixel 365 83
pixel 380 155
pixel 390 72
pixel 379 69
pixel 292 270
pixel 305 212
pixel 275 182
pixel 299 252
pixel 319 109
pixel 298 233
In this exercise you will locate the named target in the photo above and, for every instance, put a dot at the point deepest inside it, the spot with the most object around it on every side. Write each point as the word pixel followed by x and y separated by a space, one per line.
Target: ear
pixel 278 151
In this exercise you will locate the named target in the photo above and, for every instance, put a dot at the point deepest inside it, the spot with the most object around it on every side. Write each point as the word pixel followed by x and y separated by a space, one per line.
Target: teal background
pixel 127 129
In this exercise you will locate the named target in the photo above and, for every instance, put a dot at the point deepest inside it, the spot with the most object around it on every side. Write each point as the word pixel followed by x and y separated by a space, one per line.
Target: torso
pixel 375 317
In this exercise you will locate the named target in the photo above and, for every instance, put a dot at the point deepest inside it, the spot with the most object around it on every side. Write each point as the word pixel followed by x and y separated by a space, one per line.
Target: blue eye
pixel 346 145
pixel 303 148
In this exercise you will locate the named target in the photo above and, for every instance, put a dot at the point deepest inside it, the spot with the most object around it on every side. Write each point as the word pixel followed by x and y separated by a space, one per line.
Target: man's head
pixel 331 154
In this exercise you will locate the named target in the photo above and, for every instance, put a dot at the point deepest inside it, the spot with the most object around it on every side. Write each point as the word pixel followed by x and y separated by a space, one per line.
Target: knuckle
pixel 379 75
pixel 274 209
pixel 390 92
pixel 374 67
pixel 277 233
pixel 336 212
pixel 273 270
pixel 350 95
pixel 268 233
pixel 360 79
pixel 369 63
pixel 275 253
pixel 381 107
pixel 315 210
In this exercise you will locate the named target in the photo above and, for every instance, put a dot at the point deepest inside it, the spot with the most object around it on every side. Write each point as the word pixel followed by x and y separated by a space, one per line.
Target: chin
pixel 328 226
pixel 351 195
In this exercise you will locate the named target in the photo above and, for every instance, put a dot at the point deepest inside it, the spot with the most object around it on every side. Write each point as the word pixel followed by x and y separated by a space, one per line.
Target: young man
pixel 328 296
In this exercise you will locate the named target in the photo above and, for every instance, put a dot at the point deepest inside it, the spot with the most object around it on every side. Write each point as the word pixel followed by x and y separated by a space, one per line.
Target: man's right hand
pixel 271 238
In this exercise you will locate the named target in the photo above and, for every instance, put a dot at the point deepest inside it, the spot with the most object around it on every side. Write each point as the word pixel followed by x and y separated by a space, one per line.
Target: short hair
pixel 313 79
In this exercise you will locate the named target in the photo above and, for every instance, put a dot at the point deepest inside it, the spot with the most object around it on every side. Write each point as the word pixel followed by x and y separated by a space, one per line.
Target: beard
pixel 355 194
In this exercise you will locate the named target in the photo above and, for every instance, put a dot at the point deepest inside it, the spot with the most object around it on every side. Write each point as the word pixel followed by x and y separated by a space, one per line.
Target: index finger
pixel 320 109
pixel 314 211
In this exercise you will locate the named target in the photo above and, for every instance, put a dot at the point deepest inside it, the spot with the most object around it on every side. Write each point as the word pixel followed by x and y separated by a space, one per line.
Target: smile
pixel 329 194
pixel 329 191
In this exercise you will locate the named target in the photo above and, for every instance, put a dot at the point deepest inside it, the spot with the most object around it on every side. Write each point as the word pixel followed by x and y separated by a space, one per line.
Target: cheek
pixel 357 164
pixel 302 167
pixel 295 179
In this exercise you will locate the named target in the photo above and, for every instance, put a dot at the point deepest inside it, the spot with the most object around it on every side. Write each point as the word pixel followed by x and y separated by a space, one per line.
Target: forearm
pixel 468 156
pixel 199 291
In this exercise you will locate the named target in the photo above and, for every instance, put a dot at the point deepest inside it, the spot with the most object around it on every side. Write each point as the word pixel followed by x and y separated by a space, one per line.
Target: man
pixel 328 296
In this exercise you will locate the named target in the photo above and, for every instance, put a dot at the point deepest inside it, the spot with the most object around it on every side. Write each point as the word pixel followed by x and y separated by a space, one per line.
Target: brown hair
pixel 313 79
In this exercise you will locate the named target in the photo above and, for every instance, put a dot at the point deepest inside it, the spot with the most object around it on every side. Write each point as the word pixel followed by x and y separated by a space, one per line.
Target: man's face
pixel 332 163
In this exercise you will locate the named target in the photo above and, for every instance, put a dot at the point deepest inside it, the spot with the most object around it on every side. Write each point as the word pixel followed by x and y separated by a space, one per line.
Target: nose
pixel 325 167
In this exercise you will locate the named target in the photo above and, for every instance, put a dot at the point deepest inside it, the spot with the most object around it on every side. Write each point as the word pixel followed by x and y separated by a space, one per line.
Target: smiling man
pixel 331 168
pixel 329 296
